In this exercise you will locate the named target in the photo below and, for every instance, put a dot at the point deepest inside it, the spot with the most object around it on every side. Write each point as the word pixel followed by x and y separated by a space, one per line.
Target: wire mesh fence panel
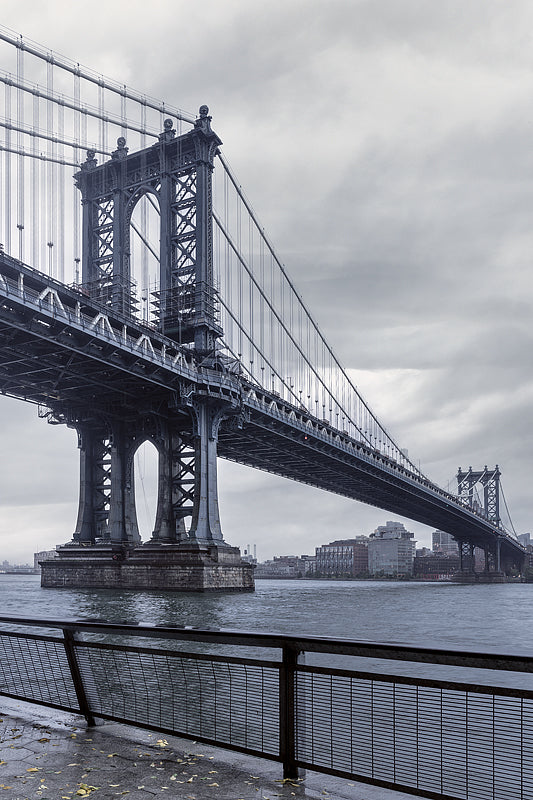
pixel 423 735
pixel 218 699
pixel 36 669
pixel 437 741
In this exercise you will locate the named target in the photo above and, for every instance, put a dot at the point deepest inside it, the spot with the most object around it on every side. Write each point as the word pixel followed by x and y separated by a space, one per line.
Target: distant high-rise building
pixel 525 539
pixel 444 543
pixel 391 550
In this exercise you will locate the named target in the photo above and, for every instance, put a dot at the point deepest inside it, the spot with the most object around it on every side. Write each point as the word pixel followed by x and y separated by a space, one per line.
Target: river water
pixel 497 617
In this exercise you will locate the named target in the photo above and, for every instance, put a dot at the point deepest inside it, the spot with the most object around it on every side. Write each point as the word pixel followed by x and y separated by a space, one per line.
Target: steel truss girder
pixel 275 446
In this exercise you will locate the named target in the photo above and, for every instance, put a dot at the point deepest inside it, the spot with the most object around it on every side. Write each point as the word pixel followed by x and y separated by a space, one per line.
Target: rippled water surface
pixel 493 616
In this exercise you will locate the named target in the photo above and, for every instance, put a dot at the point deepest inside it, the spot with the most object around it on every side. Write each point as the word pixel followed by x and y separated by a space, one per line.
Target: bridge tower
pixel 176 175
pixel 489 480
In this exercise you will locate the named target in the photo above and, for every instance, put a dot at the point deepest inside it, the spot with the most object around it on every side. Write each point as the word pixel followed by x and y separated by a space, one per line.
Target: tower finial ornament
pixel 168 132
pixel 122 150
pixel 90 163
pixel 204 120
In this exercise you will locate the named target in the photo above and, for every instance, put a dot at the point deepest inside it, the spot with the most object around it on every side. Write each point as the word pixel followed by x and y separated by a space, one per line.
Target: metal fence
pixel 436 737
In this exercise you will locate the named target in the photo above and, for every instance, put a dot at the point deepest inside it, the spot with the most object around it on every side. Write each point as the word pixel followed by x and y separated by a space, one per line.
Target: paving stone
pixel 48 755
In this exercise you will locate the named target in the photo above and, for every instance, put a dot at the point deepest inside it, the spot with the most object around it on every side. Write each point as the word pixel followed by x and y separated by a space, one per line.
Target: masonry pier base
pixel 187 567
pixel 479 577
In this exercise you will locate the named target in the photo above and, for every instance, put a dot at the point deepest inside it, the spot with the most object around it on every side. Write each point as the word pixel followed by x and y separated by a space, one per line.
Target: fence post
pixel 287 711
pixel 68 639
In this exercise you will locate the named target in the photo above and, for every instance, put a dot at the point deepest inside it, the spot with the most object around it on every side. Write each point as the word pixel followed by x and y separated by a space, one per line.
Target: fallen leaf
pixel 85 789
pixel 33 769
pixel 44 739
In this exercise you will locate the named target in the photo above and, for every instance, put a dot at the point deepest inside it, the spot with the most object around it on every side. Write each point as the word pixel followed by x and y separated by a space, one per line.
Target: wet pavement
pixel 50 755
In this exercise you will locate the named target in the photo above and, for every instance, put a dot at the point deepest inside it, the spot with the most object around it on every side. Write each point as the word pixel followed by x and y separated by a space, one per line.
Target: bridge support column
pixel 205 526
pixel 113 555
pixel 466 557
pixel 123 529
pixel 175 486
pixel 94 498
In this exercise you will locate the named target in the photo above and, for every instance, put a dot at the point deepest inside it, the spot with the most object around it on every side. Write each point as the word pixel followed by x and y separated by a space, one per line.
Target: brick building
pixel 344 558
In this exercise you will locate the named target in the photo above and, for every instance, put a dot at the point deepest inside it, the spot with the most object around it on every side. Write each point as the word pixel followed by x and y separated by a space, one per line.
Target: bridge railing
pixel 430 722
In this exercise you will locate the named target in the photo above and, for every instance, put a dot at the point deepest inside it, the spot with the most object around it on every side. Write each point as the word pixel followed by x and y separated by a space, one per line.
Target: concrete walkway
pixel 49 755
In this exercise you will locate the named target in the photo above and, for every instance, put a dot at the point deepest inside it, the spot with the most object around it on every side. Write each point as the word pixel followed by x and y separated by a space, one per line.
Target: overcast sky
pixel 387 147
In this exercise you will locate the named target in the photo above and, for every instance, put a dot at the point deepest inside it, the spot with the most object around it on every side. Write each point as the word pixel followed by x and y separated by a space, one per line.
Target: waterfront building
pixel 247 556
pixel 443 542
pixel 391 551
pixel 344 558
pixel 286 567
pixel 435 566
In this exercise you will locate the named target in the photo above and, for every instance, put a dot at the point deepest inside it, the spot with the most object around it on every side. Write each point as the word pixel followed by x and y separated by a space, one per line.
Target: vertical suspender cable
pixel 20 148
pixel 251 292
pixel 241 271
pixel 60 227
pixel 7 208
pixel 123 115
pixel 101 112
pixel 271 353
pixel 49 203
pixel 35 188
pixel 262 307
pixel 76 205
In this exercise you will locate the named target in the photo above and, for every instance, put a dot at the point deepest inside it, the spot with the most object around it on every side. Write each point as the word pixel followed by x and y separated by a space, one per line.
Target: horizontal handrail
pixel 396 651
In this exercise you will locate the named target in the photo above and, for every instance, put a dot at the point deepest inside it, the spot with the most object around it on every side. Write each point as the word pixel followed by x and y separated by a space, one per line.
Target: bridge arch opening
pixel 145 473
pixel 144 235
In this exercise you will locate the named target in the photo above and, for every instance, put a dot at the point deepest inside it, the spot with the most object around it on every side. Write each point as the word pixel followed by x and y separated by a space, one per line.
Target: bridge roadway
pixel 64 351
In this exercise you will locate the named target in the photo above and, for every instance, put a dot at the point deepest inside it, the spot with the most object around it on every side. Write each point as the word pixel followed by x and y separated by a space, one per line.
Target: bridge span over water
pixel 67 352
pixel 161 312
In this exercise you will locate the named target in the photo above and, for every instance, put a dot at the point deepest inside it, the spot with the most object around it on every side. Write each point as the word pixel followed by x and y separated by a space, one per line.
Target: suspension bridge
pixel 140 299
